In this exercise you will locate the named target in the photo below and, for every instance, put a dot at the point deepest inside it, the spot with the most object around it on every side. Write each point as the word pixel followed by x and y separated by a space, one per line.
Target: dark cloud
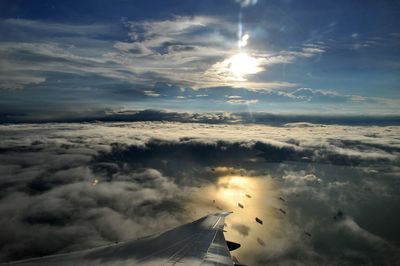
pixel 126 115
pixel 242 229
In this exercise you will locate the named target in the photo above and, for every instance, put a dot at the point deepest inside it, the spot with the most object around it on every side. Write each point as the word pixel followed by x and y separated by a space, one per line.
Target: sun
pixel 241 64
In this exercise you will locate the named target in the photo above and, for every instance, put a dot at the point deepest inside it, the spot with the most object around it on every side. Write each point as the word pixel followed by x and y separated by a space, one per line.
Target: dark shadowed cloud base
pixel 209 118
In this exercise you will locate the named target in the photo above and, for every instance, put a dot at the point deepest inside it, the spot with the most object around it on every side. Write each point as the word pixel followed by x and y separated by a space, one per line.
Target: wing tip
pixel 223 213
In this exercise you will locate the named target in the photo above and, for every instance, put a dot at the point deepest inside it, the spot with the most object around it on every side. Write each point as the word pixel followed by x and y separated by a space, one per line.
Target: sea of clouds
pixel 70 186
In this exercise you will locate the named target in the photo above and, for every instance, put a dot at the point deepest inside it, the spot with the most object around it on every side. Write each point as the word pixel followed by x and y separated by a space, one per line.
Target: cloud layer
pixel 128 115
pixel 74 186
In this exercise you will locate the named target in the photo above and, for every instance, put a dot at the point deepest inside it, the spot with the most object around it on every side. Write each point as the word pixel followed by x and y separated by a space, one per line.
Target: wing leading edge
pixel 201 243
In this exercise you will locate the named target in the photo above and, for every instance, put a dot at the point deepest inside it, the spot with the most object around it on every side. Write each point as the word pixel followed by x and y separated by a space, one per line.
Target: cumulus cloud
pixel 301 179
pixel 50 197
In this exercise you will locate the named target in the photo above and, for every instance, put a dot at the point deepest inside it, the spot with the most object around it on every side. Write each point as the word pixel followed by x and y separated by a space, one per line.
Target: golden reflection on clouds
pixel 248 197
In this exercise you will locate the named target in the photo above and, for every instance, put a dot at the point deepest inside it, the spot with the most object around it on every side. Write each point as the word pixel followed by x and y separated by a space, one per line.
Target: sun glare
pixel 242 64
pixel 239 65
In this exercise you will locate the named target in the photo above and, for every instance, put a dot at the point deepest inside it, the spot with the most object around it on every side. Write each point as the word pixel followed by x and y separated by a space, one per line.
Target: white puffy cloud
pixel 301 178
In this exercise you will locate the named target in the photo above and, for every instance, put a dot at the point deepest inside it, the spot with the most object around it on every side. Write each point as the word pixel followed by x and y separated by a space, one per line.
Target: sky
pixel 65 60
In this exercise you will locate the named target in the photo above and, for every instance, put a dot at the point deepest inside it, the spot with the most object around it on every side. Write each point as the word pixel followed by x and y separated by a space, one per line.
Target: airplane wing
pixel 201 242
